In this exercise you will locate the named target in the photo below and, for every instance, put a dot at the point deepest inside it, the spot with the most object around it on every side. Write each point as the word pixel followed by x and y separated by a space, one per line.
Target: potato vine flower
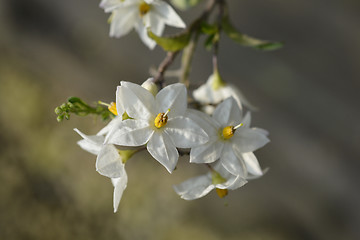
pixel 217 178
pixel 232 141
pixel 140 14
pixel 110 161
pixel 160 122
pixel 216 90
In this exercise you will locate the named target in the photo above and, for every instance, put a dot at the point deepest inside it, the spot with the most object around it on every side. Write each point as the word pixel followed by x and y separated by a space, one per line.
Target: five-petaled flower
pixel 217 178
pixel 232 141
pixel 140 14
pixel 161 122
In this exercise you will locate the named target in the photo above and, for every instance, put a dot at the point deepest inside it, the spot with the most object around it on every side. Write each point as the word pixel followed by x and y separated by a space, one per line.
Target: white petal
pixel 206 94
pixel 110 126
pixel 231 162
pixel 123 21
pixel 130 133
pixel 228 113
pixel 252 164
pixel 106 4
pixel 163 150
pixel 206 153
pixel 248 140
pixel 246 121
pixel 92 143
pixel 240 98
pixel 89 146
pixel 185 133
pixel 233 181
pixel 251 176
pixel 111 5
pixel 120 97
pixel 204 121
pixel 172 97
pixel 261 131
pixel 168 14
pixel 109 163
pixel 119 187
pixel 194 188
pixel 138 102
pixel 142 31
pixel 156 24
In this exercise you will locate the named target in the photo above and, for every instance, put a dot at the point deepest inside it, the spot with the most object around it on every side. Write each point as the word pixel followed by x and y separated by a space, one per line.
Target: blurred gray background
pixel 307 93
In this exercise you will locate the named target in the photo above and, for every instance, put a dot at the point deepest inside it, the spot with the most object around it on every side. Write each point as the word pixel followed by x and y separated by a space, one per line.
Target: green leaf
pixel 246 40
pixel 172 43
pixel 185 4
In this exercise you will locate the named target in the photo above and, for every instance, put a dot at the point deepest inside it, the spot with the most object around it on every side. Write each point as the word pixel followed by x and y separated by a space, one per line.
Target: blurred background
pixel 307 92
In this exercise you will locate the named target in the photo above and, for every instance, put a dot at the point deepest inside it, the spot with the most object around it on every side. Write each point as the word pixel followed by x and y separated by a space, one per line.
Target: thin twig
pixel 159 78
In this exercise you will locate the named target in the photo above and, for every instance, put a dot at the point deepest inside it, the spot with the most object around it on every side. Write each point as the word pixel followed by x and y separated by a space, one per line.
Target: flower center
pixel 161 119
pixel 144 8
pixel 229 131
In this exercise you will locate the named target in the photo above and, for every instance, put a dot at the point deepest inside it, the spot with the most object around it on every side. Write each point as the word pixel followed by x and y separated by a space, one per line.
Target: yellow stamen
pixel 161 119
pixel 221 192
pixel 112 108
pixel 229 131
pixel 144 8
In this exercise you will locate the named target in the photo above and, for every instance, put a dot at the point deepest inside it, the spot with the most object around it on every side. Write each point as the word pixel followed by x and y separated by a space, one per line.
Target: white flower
pixel 109 161
pixel 160 122
pixel 218 178
pixel 140 14
pixel 232 141
pixel 216 90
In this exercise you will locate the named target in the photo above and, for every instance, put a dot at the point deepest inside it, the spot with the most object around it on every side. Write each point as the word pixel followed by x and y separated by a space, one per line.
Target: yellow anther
pixel 229 131
pixel 144 8
pixel 221 192
pixel 161 119
pixel 112 108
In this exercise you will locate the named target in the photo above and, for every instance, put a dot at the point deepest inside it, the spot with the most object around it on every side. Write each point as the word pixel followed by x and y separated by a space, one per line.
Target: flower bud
pixel 60 118
pixel 58 111
pixel 150 86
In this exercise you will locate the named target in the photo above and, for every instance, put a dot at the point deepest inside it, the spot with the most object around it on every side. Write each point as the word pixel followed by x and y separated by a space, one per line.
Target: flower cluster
pixel 215 131
pixel 224 142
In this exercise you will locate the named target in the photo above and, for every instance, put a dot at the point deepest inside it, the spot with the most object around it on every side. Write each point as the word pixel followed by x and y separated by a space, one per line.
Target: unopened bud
pixel 58 111
pixel 60 118
pixel 150 86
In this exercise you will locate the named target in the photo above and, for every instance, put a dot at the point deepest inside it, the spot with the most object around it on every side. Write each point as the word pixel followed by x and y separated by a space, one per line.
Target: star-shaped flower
pixel 160 122
pixel 140 14
pixel 110 161
pixel 216 90
pixel 232 141
pixel 217 178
